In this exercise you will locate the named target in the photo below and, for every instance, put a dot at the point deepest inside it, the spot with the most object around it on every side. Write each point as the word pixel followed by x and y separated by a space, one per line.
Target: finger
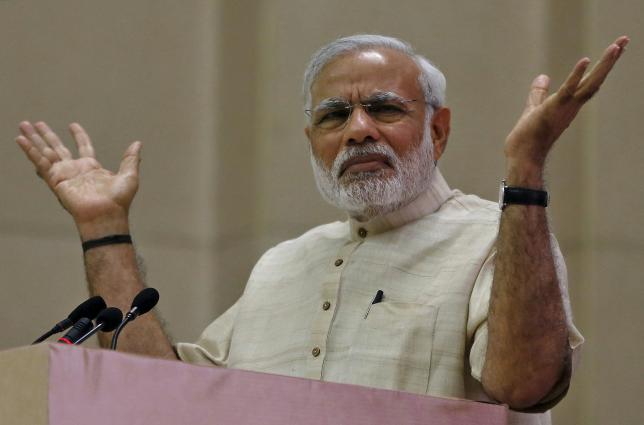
pixel 30 133
pixel 52 140
pixel 34 155
pixel 83 142
pixel 595 78
pixel 622 42
pixel 131 159
pixel 569 87
pixel 538 91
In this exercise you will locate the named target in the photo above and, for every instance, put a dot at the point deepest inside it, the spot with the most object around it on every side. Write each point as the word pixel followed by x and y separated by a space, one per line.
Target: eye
pixel 330 116
pixel 387 112
pixel 385 108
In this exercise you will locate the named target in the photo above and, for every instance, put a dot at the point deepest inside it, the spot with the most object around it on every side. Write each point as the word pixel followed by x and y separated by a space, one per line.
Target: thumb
pixel 131 160
pixel 538 91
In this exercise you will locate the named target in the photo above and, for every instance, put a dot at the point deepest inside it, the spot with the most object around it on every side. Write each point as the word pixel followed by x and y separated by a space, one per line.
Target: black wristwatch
pixel 521 196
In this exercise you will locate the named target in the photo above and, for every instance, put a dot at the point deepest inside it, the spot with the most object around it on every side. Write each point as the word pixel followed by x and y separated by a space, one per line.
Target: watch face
pixel 501 193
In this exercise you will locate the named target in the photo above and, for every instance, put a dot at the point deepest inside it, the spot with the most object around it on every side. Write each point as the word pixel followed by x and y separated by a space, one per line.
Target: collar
pixel 426 203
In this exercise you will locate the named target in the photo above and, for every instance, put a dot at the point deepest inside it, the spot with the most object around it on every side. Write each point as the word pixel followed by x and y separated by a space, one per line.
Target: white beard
pixel 368 194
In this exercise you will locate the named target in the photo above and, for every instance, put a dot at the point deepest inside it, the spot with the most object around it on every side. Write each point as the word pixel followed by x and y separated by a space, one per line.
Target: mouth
pixel 365 163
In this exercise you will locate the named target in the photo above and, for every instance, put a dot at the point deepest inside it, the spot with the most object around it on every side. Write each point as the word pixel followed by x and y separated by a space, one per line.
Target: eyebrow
pixel 331 102
pixel 382 96
pixel 378 96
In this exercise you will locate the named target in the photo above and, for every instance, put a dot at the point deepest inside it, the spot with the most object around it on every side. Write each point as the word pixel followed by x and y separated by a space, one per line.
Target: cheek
pixel 325 150
pixel 403 142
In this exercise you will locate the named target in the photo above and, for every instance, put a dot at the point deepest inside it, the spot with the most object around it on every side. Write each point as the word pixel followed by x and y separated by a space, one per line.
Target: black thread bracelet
pixel 107 240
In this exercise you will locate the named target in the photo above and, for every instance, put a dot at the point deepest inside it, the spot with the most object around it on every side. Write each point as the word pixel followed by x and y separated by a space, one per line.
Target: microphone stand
pixel 131 315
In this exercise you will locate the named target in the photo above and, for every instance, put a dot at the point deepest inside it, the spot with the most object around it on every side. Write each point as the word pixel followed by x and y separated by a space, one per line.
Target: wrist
pixel 107 240
pixel 105 226
pixel 524 174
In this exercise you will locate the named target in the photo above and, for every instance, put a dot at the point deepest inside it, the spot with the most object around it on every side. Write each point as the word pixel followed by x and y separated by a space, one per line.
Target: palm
pixel 82 185
pixel 540 125
pixel 88 191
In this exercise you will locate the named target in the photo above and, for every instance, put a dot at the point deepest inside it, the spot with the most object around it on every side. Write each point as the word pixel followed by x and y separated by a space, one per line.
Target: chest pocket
pixel 392 348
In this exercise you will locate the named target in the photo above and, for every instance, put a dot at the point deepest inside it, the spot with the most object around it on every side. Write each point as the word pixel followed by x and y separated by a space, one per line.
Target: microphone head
pixel 145 301
pixel 89 309
pixel 111 317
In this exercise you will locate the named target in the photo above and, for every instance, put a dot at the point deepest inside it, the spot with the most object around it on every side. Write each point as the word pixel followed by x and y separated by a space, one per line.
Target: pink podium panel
pixel 103 387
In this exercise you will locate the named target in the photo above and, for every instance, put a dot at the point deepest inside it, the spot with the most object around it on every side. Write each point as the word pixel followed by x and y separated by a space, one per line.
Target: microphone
pixel 80 327
pixel 106 321
pixel 142 303
pixel 89 308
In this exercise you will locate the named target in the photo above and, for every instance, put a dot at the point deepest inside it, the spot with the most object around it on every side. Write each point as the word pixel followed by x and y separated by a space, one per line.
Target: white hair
pixel 431 79
pixel 368 194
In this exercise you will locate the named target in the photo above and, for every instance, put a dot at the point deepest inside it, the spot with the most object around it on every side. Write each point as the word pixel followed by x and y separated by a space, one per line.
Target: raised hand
pixel 97 199
pixel 546 117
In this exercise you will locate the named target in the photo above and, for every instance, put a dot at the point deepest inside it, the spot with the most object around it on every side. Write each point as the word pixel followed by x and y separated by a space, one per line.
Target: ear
pixel 440 130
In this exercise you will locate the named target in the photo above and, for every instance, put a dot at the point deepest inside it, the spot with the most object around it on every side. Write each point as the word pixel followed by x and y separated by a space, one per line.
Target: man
pixel 424 289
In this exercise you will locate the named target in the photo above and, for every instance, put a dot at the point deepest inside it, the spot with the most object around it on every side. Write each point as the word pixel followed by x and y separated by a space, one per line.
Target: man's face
pixel 369 165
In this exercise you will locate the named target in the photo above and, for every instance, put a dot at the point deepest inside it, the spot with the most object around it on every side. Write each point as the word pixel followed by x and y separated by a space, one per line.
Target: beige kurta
pixel 306 310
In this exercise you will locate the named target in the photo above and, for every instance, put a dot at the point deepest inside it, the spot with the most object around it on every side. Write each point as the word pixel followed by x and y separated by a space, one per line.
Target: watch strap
pixel 520 195
pixel 523 196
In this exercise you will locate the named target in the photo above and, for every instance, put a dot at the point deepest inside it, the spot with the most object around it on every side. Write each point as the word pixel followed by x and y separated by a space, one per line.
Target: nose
pixel 360 127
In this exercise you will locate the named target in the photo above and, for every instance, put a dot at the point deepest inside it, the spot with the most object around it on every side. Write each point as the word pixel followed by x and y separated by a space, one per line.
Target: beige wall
pixel 213 90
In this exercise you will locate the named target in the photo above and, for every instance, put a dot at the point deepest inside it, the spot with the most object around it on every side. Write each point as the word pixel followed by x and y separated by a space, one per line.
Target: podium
pixel 57 384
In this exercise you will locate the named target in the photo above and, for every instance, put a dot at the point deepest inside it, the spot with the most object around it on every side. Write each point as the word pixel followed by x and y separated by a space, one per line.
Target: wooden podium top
pixel 59 384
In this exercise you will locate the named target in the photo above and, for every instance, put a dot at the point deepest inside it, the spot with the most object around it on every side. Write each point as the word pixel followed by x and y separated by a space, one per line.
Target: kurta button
pixel 362 232
pixel 326 305
pixel 315 351
pixel 338 262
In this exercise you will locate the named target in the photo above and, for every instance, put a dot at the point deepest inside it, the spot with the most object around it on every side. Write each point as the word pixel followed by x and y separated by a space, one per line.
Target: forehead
pixel 356 75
